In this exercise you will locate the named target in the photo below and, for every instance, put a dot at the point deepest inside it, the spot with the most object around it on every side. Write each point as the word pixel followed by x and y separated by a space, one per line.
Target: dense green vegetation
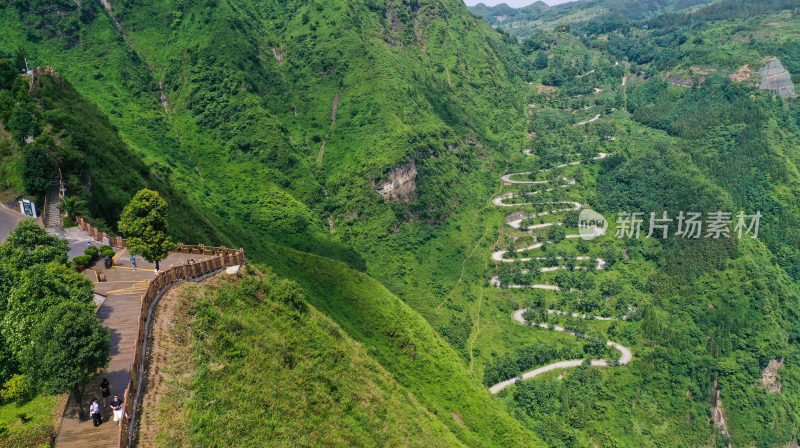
pixel 405 345
pixel 50 339
pixel 713 313
pixel 538 17
pixel 286 119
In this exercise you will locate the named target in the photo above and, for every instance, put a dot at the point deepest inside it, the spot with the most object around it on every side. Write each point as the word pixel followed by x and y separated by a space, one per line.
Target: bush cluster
pixel 91 255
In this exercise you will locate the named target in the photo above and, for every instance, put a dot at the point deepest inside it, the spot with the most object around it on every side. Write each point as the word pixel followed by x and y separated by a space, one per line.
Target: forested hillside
pixel 538 16
pixel 411 181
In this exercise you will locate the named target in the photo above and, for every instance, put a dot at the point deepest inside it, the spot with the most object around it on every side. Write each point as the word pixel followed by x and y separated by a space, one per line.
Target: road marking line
pixel 96 276
pixel 138 269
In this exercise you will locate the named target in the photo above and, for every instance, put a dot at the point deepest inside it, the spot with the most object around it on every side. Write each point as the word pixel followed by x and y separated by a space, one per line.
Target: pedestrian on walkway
pixel 94 412
pixel 156 272
pixel 105 392
pixel 133 261
pixel 116 406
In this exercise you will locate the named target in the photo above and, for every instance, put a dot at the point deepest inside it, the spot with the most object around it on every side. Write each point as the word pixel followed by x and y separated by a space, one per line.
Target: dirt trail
pixel 107 6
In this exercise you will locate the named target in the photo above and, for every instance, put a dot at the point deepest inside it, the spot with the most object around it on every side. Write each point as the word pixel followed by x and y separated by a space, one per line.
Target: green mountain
pixel 538 16
pixel 409 181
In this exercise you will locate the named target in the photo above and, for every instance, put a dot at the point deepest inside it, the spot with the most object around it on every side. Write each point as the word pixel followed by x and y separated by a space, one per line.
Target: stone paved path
pixel 119 313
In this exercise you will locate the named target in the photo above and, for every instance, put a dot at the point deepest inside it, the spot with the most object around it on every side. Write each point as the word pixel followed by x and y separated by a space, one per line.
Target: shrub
pixel 16 389
pixel 279 212
pixel 107 252
pixel 105 247
pixel 83 261
pixel 92 252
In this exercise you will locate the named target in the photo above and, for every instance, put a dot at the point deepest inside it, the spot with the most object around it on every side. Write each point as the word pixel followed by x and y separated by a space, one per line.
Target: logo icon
pixel 591 224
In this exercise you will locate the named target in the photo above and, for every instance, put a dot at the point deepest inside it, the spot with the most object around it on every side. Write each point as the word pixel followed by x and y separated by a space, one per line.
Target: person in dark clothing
pixel 105 391
pixel 116 406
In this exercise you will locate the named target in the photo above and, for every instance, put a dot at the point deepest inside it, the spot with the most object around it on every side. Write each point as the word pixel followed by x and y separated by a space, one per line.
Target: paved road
pixel 500 256
pixel 588 121
pixel 8 222
pixel 507 178
pixel 625 353
pixel 78 239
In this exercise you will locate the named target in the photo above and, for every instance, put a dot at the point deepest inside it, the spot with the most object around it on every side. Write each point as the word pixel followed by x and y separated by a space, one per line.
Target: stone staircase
pixel 52 216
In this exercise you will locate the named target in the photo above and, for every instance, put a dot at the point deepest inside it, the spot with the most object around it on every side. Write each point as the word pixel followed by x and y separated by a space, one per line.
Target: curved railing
pixel 224 257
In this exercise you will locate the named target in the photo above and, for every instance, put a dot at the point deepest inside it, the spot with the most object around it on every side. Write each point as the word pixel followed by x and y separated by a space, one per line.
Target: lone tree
pixel 67 348
pixel 144 223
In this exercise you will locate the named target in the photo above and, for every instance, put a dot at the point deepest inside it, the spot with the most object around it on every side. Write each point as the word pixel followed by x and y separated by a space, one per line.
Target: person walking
pixel 116 406
pixel 94 412
pixel 133 261
pixel 105 392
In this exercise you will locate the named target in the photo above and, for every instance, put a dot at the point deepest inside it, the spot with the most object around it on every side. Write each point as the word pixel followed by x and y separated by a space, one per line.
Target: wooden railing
pixel 115 241
pixel 223 257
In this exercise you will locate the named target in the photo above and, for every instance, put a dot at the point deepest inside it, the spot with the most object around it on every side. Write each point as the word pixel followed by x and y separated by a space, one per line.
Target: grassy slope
pixel 245 390
pixel 40 425
pixel 115 172
pixel 107 83
pixel 388 65
pixel 415 83
pixel 405 344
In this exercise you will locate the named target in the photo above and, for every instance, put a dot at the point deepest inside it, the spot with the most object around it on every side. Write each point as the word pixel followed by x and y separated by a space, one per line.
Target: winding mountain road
pixel 625 354
pixel 500 256
pixel 507 177
pixel 581 123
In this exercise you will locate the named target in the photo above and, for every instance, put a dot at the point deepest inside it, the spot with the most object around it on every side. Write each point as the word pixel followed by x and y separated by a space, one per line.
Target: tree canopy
pixel 144 223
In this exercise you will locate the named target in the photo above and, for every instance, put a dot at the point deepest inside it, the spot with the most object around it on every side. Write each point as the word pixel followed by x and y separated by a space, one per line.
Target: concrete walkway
pixel 119 313
pixel 78 239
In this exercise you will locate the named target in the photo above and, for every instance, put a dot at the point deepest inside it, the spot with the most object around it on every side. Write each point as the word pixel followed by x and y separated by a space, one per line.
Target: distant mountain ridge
pixel 539 16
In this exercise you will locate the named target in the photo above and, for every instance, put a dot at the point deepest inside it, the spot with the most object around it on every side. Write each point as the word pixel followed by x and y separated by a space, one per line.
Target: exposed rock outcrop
pixel 401 185
pixel 743 74
pixel 680 82
pixel 718 412
pixel 774 78
pixel 769 377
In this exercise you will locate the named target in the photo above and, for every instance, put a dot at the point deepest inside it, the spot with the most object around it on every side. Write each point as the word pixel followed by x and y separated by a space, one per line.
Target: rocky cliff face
pixel 776 79
pixel 401 185
pixel 770 379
